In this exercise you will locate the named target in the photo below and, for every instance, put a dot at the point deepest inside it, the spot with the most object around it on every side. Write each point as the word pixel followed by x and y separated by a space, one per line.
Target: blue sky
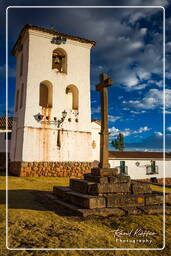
pixel 129 49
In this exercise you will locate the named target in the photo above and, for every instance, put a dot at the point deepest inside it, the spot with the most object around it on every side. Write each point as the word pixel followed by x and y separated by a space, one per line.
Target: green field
pixel 31 225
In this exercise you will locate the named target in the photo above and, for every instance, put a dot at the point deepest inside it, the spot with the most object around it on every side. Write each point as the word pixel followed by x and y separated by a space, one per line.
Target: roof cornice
pixel 49 31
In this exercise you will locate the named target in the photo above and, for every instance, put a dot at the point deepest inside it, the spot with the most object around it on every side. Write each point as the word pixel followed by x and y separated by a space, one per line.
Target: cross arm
pixel 103 84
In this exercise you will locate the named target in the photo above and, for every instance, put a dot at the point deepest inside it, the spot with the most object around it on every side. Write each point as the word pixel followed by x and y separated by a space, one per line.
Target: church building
pixel 52 130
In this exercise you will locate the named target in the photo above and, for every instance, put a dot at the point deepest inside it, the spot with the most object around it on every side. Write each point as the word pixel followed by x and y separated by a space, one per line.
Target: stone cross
pixel 104 134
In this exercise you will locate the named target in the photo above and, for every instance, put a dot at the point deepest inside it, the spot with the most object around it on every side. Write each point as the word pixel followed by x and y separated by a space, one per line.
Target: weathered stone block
pixel 104 171
pixel 79 185
pixel 140 188
pixel 168 198
pixel 125 201
pixel 61 192
pixel 119 179
pixel 86 201
pixel 153 199
pixel 98 179
pixel 105 188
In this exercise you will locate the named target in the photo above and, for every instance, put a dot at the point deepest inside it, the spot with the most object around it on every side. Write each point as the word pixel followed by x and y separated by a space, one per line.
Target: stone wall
pixel 54 169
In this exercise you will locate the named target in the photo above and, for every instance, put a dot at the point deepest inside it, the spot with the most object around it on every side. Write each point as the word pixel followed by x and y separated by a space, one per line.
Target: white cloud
pixel 158 83
pixel 125 45
pixel 131 81
pixel 137 112
pixel 143 31
pixel 127 131
pixel 143 74
pixel 158 133
pixel 152 100
pixel 167 112
pixel 113 118
pixel 113 131
pixel 142 129
pixel 169 129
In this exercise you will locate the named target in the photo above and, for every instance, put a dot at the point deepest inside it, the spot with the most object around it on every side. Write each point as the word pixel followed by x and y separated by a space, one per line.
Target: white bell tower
pixel 52 104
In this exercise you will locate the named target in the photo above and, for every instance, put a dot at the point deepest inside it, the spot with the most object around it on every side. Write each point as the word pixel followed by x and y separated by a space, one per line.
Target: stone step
pixel 119 179
pixel 107 179
pixel 50 201
pixel 125 201
pixel 79 185
pixel 71 209
pixel 86 187
pixel 86 201
pixel 109 188
pixel 168 198
pixel 60 192
pixel 97 179
pixel 154 199
pixel 104 171
pixel 83 200
pixel 134 200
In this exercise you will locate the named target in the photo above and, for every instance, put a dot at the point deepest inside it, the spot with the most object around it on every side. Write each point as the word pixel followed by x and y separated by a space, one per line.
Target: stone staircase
pixel 104 191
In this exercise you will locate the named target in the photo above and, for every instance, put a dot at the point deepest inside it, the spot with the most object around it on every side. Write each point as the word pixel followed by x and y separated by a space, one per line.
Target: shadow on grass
pixel 31 200
pixel 3 173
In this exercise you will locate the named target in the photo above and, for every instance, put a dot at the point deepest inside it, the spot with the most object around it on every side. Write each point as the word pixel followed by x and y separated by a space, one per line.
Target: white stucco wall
pixel 95 130
pixel 139 172
pixel 30 137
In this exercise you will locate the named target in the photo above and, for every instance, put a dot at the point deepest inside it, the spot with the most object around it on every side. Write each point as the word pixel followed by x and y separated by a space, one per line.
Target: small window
pixel 17 99
pixel 8 136
pixel 59 61
pixel 21 96
pixel 123 168
pixel 152 169
pixel 21 65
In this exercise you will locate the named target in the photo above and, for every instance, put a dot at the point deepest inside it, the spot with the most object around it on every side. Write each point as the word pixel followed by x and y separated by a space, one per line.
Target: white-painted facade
pixel 137 168
pixel 95 135
pixel 33 140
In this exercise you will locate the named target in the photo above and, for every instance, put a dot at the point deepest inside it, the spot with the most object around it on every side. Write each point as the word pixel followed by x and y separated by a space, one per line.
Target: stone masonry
pixel 54 169
pixel 105 190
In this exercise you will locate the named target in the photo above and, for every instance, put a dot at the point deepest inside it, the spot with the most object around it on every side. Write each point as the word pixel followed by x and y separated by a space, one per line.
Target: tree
pixel 118 143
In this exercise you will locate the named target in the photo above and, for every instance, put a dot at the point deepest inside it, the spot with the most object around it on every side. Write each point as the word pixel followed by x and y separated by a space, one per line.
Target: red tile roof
pixel 137 155
pixel 3 122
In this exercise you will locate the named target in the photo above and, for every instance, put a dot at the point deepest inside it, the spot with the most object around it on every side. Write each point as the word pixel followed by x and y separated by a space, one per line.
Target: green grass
pixel 160 189
pixel 31 225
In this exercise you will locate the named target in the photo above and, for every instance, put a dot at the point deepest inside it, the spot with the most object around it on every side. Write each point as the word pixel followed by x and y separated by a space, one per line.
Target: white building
pixel 147 166
pixel 52 103
pixel 52 131
pixel 5 134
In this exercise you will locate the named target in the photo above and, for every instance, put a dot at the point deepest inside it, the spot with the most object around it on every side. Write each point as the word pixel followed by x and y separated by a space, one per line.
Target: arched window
pixel 21 96
pixel 45 94
pixel 59 60
pixel 72 97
